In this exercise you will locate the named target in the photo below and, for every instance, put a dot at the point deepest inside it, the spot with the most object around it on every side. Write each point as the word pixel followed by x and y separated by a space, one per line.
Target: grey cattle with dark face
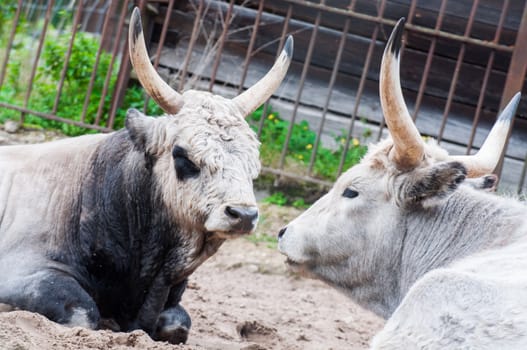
pixel 405 236
pixel 105 229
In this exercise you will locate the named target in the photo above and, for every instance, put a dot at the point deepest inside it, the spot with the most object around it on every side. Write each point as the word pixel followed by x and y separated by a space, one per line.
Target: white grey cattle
pixel 403 235
pixel 105 229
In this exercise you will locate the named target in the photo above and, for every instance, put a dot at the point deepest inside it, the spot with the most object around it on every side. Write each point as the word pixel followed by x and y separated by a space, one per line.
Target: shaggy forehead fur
pixel 214 133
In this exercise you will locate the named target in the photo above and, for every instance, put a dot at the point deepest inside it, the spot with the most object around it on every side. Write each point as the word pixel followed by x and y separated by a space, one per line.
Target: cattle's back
pixel 449 309
pixel 38 184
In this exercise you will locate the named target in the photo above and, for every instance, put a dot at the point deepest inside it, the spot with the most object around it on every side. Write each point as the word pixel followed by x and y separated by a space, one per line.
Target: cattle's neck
pixel 468 222
pixel 421 240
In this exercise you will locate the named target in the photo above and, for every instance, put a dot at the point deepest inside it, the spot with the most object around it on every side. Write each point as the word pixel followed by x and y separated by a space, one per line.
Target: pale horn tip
pixel 510 110
pixel 288 47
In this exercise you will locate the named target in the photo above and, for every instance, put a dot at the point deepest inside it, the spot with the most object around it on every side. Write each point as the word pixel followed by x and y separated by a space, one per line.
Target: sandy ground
pixel 241 298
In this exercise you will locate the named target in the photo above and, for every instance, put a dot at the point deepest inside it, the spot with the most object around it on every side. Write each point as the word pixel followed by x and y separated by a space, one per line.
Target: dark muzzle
pixel 244 218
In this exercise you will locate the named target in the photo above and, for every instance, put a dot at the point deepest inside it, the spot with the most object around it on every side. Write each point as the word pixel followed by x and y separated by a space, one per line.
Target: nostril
pixel 252 214
pixel 233 212
pixel 245 214
pixel 281 233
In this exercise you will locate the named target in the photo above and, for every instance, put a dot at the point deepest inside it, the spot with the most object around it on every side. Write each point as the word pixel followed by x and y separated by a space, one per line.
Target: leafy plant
pixel 277 198
pixel 300 204
pixel 301 145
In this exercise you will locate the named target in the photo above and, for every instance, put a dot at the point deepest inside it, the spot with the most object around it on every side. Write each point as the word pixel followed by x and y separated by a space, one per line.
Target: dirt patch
pixel 242 298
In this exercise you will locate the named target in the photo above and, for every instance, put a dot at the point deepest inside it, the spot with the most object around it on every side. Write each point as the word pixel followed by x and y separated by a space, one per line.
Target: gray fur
pixel 443 261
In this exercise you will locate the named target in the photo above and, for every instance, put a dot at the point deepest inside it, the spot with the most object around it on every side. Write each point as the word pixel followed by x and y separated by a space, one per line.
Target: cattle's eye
pixel 185 168
pixel 349 193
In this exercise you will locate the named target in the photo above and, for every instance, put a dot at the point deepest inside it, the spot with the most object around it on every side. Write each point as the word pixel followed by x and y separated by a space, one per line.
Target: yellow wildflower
pixel 300 157
pixel 355 142
pixel 270 116
pixel 309 146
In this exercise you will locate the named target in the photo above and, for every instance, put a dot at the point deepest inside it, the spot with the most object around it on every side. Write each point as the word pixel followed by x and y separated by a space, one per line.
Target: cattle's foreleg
pixel 161 316
pixel 153 305
pixel 174 322
pixel 55 295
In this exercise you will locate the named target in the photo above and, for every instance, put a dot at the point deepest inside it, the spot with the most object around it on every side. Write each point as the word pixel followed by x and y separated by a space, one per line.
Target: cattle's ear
pixel 485 183
pixel 431 185
pixel 139 128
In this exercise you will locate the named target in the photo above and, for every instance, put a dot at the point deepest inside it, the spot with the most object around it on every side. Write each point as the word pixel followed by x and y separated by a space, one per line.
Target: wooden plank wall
pixel 459 122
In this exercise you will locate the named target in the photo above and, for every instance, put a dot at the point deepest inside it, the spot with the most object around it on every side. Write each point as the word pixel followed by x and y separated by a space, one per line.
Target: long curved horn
pixel 408 147
pixel 488 156
pixel 257 94
pixel 166 97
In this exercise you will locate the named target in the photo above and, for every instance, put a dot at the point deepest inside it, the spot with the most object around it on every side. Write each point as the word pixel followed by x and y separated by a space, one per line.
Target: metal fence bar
pixel 429 57
pixel 49 116
pixel 104 93
pixel 331 85
pixel 160 44
pixel 486 76
pixel 105 29
pixel 221 43
pixel 285 28
pixel 37 57
pixel 516 76
pixel 10 41
pixel 193 38
pixel 67 58
pixel 122 77
pixel 418 29
pixel 518 65
pixel 455 77
pixel 307 62
pixel 358 97
pixel 249 51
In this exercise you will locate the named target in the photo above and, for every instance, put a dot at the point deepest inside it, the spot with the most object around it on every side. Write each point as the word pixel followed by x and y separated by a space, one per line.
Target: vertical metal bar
pixel 360 90
pixel 307 62
pixel 37 57
pixel 429 57
pixel 332 80
pixel 515 74
pixel 105 29
pixel 107 80
pixel 68 56
pixel 285 28
pixel 518 65
pixel 455 77
pixel 481 97
pixel 122 76
pixel 193 38
pixel 486 76
pixel 221 44
pixel 160 45
pixel 411 12
pixel 248 54
pixel 10 42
